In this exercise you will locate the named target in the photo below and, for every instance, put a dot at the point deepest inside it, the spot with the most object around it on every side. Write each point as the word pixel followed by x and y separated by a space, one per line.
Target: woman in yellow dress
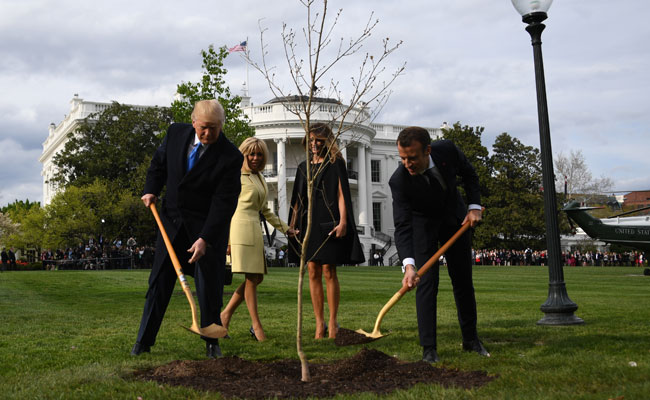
pixel 246 246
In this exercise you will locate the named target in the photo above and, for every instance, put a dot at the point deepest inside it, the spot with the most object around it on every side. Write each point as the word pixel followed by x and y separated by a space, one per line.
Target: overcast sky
pixel 469 61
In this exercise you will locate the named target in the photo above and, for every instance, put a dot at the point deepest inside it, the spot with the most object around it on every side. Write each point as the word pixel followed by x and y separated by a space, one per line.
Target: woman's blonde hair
pixel 250 145
pixel 323 131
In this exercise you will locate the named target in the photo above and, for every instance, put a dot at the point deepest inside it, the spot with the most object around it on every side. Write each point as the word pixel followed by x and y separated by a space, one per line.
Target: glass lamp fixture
pixel 530 8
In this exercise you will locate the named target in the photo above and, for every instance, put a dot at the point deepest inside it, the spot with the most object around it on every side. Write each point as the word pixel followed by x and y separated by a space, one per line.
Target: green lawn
pixel 67 334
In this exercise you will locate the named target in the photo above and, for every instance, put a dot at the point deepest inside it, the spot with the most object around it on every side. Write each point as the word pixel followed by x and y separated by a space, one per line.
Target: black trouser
pixel 208 278
pixel 459 267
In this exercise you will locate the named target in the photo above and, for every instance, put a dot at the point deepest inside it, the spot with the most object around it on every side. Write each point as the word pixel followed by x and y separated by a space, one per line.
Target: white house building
pixel 58 136
pixel 369 149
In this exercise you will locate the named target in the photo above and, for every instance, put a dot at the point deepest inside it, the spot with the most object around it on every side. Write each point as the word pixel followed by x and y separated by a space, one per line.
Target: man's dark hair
pixel 414 134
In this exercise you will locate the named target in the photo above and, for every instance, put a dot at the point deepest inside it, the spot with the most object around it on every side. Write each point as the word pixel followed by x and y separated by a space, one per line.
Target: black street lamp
pixel 558 307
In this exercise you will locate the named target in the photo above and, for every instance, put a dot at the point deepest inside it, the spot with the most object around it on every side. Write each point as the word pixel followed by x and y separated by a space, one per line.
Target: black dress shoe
pixel 212 350
pixel 477 347
pixel 140 348
pixel 429 354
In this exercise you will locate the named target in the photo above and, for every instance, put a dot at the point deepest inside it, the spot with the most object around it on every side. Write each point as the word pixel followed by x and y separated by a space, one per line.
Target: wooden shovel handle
pixel 423 270
pixel 170 248
pixel 177 267
pixel 402 291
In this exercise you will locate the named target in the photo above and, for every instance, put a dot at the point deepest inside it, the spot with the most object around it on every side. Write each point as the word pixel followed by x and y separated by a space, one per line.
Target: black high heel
pixel 252 331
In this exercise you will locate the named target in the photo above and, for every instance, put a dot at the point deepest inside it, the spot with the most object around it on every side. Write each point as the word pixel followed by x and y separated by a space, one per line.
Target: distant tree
pixel 7 228
pixel 75 215
pixel 111 146
pixel 213 86
pixel 468 139
pixel 19 208
pixel 573 170
pixel 30 229
pixel 515 216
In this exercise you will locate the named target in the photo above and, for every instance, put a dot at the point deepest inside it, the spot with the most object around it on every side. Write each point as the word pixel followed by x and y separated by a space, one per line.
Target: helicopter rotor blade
pixel 630 212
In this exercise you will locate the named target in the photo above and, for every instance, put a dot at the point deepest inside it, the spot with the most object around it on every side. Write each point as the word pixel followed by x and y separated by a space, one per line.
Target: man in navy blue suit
pixel 427 211
pixel 200 169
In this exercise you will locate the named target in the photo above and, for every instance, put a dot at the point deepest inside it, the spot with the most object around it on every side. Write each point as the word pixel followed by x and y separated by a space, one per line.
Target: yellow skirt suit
pixel 246 242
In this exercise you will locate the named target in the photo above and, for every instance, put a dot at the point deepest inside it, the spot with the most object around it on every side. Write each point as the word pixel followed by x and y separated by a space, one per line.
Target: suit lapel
pixel 266 189
pixel 259 187
pixel 445 171
pixel 181 162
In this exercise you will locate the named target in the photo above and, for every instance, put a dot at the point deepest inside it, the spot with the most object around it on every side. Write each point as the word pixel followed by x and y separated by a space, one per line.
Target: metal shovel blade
pixel 212 331
pixel 373 334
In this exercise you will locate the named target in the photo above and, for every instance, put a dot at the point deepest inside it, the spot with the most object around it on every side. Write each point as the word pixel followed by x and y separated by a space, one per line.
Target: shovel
pixel 376 334
pixel 212 331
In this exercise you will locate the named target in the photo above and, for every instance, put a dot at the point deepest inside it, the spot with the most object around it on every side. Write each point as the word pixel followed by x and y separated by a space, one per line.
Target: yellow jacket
pixel 246 241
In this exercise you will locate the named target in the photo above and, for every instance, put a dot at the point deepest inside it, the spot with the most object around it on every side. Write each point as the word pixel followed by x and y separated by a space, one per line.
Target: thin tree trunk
pixel 304 365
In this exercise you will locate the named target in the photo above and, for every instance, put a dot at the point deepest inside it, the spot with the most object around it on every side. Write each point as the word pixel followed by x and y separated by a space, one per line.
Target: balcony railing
pixel 273 173
pixel 291 172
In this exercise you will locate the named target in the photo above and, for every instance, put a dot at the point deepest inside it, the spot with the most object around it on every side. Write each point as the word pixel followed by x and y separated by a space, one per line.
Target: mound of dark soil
pixel 347 337
pixel 367 371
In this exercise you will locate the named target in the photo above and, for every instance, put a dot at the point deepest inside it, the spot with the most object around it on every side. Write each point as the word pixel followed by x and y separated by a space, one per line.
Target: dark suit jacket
pixel 202 201
pixel 418 214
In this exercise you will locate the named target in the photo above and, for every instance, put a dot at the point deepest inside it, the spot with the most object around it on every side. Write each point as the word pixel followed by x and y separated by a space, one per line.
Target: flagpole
pixel 247 57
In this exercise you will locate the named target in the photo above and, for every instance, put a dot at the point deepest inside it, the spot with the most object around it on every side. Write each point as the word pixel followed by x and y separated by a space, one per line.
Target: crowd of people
pixel 93 256
pixel 573 258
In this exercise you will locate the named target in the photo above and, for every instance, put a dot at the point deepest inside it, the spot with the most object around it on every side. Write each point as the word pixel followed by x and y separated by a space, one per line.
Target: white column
pixel 362 187
pixel 368 188
pixel 344 151
pixel 283 211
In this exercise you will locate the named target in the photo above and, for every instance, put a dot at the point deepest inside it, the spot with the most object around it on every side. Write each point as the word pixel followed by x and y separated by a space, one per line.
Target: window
pixel 376 216
pixel 375 171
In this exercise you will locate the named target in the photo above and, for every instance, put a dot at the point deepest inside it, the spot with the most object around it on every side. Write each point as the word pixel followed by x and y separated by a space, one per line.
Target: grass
pixel 67 334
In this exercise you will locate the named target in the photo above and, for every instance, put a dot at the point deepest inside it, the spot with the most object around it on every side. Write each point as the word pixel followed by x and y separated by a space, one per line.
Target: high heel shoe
pixel 252 331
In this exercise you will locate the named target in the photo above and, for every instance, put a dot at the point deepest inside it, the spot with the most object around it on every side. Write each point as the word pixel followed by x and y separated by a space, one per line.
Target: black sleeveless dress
pixel 322 247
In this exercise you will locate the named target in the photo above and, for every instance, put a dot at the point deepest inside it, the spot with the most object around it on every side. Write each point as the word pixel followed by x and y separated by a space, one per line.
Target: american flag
pixel 240 47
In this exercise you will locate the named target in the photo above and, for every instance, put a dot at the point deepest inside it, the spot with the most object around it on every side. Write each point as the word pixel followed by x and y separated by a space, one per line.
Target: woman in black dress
pixel 333 239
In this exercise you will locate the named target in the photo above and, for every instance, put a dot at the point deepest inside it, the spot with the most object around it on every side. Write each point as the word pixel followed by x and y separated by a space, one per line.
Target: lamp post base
pixel 558 307
pixel 560 319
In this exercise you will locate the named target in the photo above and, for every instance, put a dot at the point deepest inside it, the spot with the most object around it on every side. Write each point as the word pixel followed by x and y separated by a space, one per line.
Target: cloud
pixel 17 166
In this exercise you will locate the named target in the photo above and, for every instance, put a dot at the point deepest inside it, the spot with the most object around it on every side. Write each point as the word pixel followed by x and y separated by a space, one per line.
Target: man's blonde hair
pixel 209 111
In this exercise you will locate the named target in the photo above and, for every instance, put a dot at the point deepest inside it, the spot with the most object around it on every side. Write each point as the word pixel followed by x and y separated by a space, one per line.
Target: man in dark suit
pixel 200 168
pixel 5 260
pixel 12 259
pixel 428 210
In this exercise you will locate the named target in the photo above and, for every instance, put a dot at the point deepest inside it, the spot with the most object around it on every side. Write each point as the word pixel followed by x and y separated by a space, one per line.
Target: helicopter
pixel 627 231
